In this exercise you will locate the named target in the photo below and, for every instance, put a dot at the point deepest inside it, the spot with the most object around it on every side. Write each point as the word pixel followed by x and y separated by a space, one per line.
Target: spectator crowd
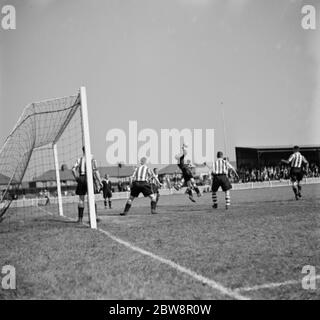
pixel 269 173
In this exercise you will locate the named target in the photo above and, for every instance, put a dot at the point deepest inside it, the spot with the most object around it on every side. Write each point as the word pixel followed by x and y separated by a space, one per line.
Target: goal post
pixel 37 157
pixel 58 179
pixel 87 146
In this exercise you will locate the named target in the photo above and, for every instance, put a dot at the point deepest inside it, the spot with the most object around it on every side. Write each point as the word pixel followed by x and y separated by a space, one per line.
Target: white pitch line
pixel 273 285
pixel 211 283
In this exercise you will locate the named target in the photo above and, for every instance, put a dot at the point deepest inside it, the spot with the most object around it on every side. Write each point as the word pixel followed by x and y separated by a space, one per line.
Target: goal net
pixel 36 160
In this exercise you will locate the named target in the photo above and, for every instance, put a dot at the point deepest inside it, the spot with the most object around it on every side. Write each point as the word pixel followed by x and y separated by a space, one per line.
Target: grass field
pixel 255 250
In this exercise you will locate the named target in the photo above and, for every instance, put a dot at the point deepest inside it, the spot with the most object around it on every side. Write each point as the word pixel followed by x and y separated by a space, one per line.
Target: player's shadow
pixel 62 221
pixel 69 223
pixel 115 214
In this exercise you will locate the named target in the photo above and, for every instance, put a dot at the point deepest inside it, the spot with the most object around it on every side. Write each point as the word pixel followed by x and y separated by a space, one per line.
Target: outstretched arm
pixel 96 172
pixel 289 160
pixel 305 161
pixel 182 153
pixel 74 170
pixel 233 170
pixel 285 161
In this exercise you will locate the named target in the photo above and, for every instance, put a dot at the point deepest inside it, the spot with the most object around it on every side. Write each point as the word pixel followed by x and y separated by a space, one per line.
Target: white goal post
pixel 87 145
pixel 44 126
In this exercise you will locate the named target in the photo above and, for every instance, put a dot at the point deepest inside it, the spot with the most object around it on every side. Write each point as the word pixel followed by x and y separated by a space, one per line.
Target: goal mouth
pixel 40 150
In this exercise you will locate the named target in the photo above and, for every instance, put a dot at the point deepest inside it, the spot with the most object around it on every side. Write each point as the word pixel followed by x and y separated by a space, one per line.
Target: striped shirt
pixel 221 166
pixel 297 159
pixel 153 179
pixel 142 173
pixel 80 165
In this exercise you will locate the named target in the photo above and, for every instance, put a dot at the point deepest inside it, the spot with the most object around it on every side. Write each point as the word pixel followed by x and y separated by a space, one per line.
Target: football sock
pixel 109 204
pixel 296 193
pixel 294 190
pixel 96 207
pixel 80 213
pixel 127 207
pixel 153 206
pixel 228 200
pixel 299 190
pixel 214 198
pixel 197 190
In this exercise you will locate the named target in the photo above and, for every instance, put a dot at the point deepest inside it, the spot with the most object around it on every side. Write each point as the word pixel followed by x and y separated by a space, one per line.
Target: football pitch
pixel 255 250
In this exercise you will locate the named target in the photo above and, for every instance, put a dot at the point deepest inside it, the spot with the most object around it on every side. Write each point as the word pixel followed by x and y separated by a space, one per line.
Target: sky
pixel 169 64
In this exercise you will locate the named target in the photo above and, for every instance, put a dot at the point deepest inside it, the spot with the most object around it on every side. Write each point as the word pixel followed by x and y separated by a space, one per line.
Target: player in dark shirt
pixel 107 190
pixel 187 174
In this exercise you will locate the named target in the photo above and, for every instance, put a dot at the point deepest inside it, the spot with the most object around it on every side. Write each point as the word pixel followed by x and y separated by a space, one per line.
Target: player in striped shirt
pixel 296 162
pixel 187 176
pixel 141 183
pixel 79 172
pixel 220 179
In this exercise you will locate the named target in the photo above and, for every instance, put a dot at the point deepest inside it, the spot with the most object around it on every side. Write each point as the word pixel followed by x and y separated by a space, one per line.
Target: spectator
pixel 120 186
pixel 268 173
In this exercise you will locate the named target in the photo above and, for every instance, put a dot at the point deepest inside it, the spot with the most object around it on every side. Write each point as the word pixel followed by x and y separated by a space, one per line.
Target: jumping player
pixel 220 179
pixel 296 161
pixel 187 176
pixel 154 185
pixel 107 191
pixel 79 173
pixel 141 183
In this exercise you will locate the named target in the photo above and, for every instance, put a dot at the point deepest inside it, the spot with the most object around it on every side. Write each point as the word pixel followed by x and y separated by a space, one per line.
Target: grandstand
pixel 257 157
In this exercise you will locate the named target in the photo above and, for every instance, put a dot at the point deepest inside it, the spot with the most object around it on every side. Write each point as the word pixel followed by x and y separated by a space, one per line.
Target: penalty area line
pixel 273 285
pixel 211 283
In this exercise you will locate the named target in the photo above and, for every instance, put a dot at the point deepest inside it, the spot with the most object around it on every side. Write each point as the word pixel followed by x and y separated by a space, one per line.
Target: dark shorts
pixel 154 188
pixel 296 174
pixel 140 186
pixel 82 186
pixel 187 175
pixel 221 181
pixel 107 194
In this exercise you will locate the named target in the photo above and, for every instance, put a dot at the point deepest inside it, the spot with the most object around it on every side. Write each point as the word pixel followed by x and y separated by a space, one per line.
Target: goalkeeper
pixel 186 174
